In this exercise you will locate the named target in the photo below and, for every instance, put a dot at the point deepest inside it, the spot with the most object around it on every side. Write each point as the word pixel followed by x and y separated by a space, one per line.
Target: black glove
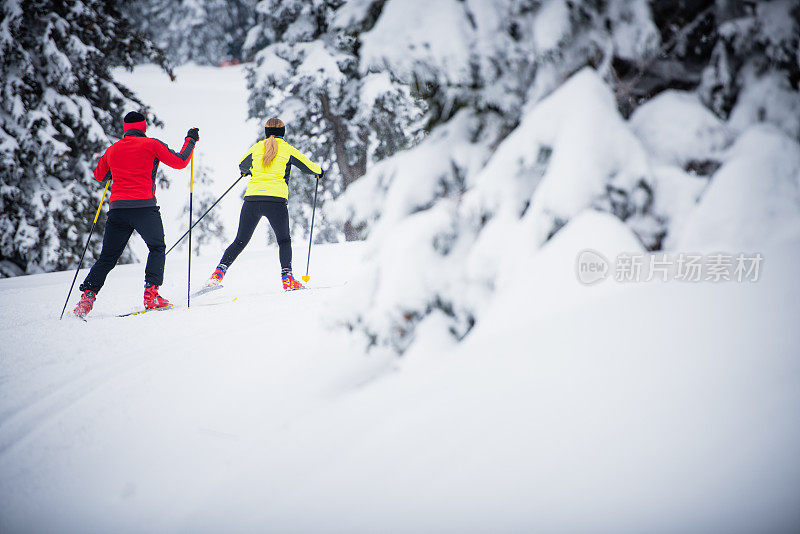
pixel 321 173
pixel 194 133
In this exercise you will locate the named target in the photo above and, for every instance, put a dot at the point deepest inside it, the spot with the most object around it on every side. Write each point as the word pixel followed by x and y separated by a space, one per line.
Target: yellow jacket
pixel 273 180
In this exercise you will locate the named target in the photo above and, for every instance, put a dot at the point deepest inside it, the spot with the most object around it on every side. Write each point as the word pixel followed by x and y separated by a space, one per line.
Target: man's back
pixel 132 163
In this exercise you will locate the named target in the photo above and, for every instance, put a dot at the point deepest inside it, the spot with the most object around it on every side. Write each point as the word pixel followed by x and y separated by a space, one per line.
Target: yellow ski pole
pixel 191 191
pixel 94 222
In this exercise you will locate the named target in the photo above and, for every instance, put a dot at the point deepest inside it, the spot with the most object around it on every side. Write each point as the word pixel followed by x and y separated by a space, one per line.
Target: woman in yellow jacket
pixel 269 163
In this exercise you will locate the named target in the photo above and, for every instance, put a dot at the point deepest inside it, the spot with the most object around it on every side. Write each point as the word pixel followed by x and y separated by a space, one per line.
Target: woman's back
pixel 271 180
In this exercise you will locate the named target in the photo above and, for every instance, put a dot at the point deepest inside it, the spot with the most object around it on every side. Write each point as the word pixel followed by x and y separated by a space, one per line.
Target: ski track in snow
pixel 245 415
pixel 272 305
pixel 62 381
pixel 33 412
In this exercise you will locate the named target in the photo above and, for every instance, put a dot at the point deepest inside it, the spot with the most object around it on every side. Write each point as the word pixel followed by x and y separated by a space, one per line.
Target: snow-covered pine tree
pixel 60 109
pixel 725 49
pixel 308 71
pixel 753 72
pixel 493 60
pixel 208 32
pixel 210 230
pixel 528 103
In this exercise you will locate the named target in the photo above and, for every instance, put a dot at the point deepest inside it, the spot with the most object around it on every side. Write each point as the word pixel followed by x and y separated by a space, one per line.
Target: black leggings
pixel 120 225
pixel 277 213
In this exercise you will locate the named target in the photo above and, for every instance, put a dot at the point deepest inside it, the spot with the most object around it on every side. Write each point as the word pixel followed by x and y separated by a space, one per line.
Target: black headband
pixel 134 116
pixel 276 131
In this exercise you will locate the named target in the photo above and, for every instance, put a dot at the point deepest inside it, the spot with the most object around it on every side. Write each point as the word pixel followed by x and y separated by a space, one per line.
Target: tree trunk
pixel 349 172
pixel 350 232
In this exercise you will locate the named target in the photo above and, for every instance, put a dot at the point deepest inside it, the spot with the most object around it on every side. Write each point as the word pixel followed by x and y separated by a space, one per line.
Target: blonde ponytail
pixel 270 143
pixel 270 150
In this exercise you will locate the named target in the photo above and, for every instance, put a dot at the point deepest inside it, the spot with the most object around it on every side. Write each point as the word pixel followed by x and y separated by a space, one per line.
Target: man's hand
pixel 321 174
pixel 194 133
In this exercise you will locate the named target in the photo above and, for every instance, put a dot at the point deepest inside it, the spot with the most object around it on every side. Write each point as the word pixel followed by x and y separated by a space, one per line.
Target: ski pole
pixel 91 230
pixel 191 191
pixel 305 277
pixel 206 213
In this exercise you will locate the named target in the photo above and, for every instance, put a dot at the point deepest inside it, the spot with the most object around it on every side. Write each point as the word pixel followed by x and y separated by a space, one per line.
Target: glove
pixel 321 174
pixel 194 133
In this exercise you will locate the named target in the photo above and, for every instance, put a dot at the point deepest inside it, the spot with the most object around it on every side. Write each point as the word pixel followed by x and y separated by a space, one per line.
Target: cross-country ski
pixel 142 312
pixel 173 307
pixel 206 289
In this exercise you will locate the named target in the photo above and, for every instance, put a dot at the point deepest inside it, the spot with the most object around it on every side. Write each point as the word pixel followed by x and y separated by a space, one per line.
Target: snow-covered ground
pixel 660 407
pixel 172 396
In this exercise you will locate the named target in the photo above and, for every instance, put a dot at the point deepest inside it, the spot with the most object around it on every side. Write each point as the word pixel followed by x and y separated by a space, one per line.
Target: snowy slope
pixel 115 394
pixel 654 407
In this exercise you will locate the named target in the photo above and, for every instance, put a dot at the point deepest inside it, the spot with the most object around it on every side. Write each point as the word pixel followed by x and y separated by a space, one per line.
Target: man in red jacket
pixel 131 164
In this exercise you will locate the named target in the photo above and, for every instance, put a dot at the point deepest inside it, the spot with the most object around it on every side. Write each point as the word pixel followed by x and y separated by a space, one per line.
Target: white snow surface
pixel 591 147
pixel 419 44
pixel 769 99
pixel 550 274
pixel 754 198
pixel 551 25
pixel 677 128
pixel 650 408
pixel 634 33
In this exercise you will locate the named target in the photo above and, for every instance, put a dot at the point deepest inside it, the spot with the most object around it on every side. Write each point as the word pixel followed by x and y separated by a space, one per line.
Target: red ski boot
pixel 289 283
pixel 85 305
pixel 216 277
pixel 153 300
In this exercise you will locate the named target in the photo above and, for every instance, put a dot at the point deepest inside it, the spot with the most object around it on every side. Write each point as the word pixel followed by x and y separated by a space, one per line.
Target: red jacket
pixel 132 163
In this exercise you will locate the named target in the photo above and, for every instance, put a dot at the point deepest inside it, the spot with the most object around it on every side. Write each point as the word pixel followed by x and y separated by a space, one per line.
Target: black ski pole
pixel 91 231
pixel 306 278
pixel 203 215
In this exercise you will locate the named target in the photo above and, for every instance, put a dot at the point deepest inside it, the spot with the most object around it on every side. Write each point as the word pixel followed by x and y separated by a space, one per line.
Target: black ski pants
pixel 277 213
pixel 120 225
